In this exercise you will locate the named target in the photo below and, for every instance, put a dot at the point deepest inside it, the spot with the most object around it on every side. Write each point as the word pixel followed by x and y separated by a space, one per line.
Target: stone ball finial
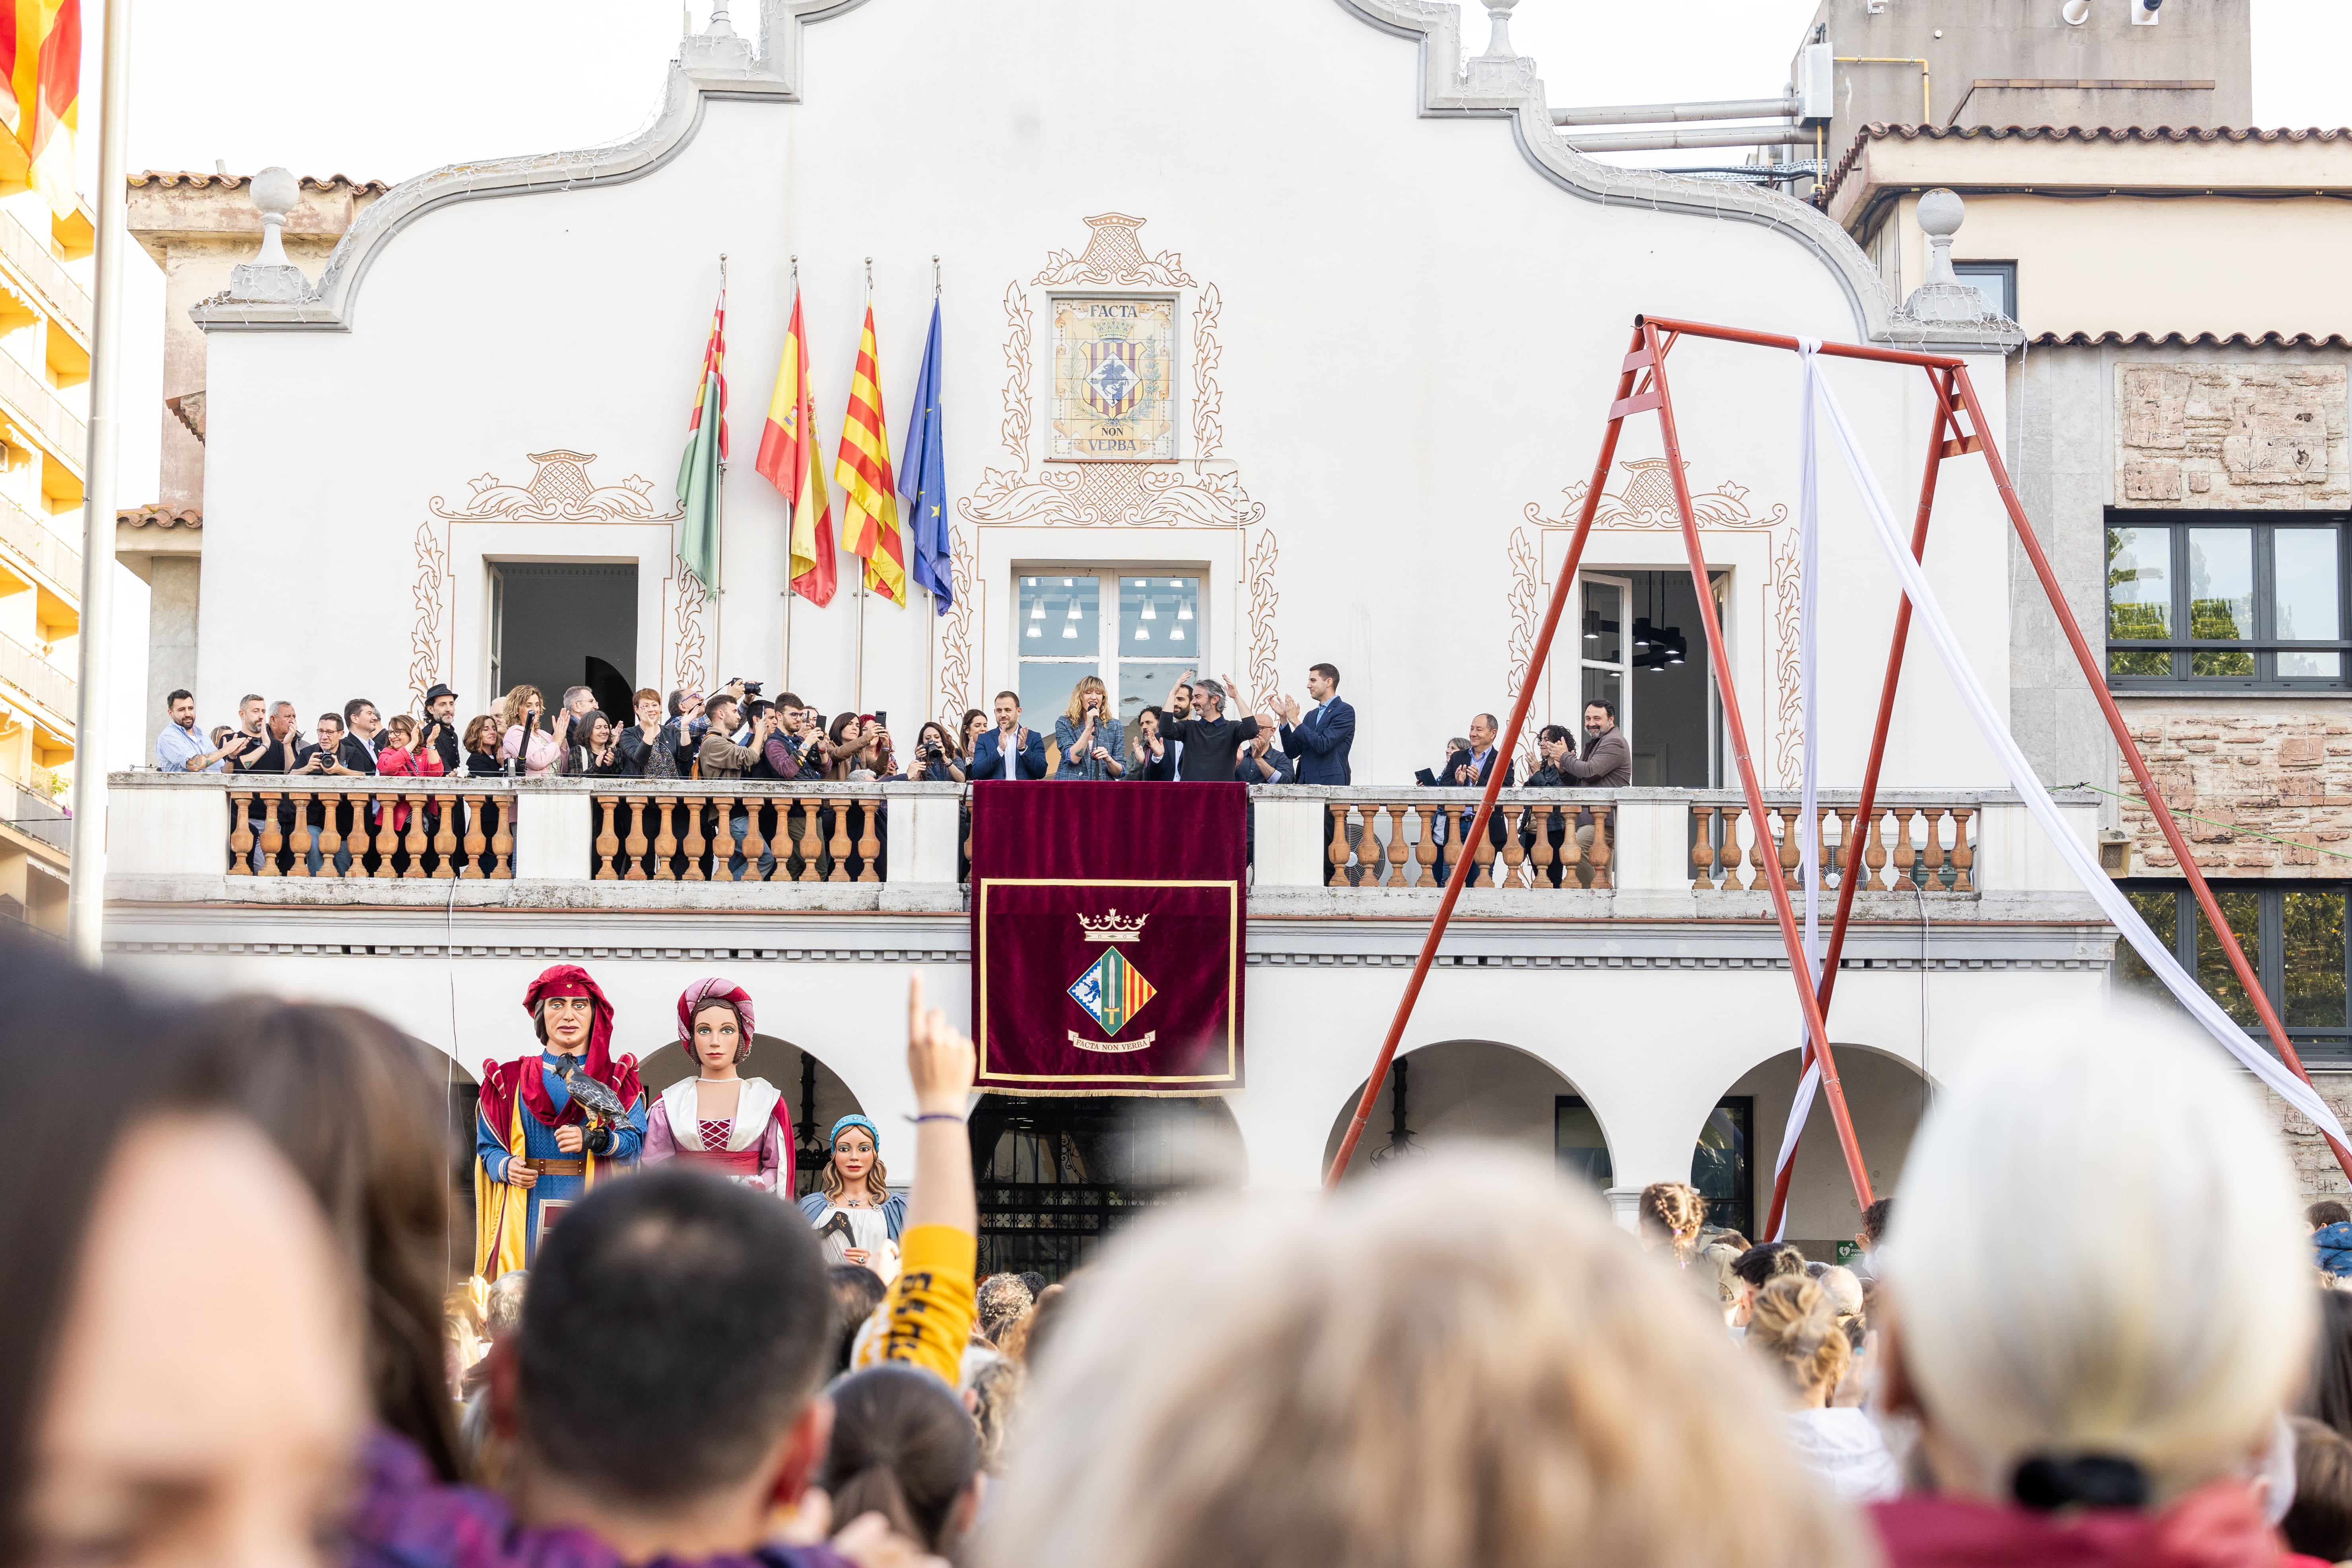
pixel 1940 212
pixel 275 191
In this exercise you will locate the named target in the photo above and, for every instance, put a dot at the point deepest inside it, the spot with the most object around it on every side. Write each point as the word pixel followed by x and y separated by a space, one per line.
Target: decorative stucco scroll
pixel 1264 652
pixel 1114 258
pixel 559 491
pixel 1646 502
pixel 955 636
pixel 1135 495
pixel 1208 397
pixel 1016 430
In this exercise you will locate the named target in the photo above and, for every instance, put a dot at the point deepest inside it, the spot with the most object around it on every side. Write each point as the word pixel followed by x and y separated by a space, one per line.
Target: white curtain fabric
pixel 1928 616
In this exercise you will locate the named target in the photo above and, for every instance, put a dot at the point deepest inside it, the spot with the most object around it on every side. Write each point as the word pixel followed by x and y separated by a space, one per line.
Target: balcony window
pixel 2292 932
pixel 2220 602
pixel 1137 634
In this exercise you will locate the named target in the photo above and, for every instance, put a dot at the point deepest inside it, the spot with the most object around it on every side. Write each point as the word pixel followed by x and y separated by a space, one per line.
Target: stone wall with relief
pixel 2231 436
pixel 2316 1170
pixel 2232 771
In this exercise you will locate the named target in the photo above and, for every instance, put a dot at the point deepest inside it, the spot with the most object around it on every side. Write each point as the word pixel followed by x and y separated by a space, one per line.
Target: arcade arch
pixel 1887 1096
pixel 1483 1090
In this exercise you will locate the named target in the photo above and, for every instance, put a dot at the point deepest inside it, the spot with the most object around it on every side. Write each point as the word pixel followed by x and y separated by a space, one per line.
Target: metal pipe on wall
pixel 1664 113
pixel 1649 141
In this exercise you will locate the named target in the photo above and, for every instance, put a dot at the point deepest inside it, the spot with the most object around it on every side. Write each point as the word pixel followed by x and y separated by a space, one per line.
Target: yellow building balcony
pixel 34 418
pixel 34 555
pixel 45 690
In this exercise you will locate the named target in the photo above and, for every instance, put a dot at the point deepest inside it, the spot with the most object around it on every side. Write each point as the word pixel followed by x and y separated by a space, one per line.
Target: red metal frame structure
pixel 1641 388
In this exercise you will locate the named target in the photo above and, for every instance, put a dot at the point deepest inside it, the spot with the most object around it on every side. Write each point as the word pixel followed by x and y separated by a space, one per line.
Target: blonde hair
pixel 877 1180
pixel 1676 1208
pixel 1408 1380
pixel 2166 1322
pixel 517 703
pixel 1797 1327
pixel 1078 709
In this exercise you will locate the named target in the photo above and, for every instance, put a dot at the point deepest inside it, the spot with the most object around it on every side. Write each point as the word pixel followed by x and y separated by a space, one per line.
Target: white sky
pixel 382 92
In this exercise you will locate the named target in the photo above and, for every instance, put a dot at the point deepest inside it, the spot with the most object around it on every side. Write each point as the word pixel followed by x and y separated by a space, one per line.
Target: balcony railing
pixel 43 682
pixel 59 430
pixel 47 549
pixel 37 816
pixel 1316 854
pixel 1558 841
pixel 1908 843
pixel 682 832
pixel 32 261
pixel 283 827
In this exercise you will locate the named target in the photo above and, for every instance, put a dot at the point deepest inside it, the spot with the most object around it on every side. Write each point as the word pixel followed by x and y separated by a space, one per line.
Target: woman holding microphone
pixel 1089 738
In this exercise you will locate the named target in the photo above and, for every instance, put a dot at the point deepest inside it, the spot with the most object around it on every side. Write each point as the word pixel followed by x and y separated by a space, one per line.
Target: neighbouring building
pixel 1377 304
pixel 2176 429
pixel 45 327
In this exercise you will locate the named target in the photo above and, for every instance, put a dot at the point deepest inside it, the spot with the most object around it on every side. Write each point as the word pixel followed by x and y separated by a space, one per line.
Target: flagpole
pixel 718 513
pixel 86 887
pixel 785 681
pixel 858 677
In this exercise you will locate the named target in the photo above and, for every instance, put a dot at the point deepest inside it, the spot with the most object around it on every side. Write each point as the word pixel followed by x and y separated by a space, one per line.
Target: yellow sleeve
pixel 927 1316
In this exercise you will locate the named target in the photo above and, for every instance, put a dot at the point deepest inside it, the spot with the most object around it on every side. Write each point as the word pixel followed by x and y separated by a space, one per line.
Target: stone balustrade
pixel 1316 853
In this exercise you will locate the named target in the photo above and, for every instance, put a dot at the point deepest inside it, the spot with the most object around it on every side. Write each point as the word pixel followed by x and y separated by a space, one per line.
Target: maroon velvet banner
pixel 1106 925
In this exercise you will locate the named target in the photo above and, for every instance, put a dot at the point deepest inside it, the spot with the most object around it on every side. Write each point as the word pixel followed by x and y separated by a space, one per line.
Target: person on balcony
pixel 860 1217
pixel 441 727
pixel 1209 745
pixel 1088 738
pixel 721 758
pixel 739 1127
pixel 178 747
pixel 536 1148
pixel 525 742
pixel 1318 743
pixel 1010 750
pixel 1154 761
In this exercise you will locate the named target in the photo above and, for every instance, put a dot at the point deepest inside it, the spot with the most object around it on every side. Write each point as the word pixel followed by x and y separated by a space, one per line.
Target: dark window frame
pixel 1738 1211
pixel 2264 644
pixel 1974 273
pixel 2316 1044
pixel 1600 1179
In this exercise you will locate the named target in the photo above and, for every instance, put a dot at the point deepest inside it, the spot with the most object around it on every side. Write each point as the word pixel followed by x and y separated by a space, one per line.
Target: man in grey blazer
pixel 1607 762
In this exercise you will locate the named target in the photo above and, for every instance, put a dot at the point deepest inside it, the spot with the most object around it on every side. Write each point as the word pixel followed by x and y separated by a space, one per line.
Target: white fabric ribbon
pixel 1809 819
pixel 1929 615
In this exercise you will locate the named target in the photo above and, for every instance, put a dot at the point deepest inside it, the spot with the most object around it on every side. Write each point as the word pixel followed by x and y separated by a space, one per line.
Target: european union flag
pixel 923 480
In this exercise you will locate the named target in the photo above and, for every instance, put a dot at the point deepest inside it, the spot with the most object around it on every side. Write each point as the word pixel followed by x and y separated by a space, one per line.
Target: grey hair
pixel 2165 1322
pixel 1212 688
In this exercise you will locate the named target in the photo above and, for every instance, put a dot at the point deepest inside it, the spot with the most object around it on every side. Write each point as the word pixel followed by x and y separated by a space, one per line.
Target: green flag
pixel 705 449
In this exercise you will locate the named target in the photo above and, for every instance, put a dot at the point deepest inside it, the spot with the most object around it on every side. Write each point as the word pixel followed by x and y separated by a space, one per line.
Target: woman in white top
pixel 854 1206
pixel 738 1126
pixel 1797 1328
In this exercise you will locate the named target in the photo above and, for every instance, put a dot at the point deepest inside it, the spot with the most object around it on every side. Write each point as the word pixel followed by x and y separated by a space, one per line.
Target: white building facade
pixel 1379 309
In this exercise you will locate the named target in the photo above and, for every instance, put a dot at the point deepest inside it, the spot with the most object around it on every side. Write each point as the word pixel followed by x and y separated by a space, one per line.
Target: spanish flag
pixel 869 522
pixel 40 40
pixel 790 460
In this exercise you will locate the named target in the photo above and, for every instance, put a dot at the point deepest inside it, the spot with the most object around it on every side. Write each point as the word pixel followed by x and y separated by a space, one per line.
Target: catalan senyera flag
pixel 705 449
pixel 869 518
pixel 791 459
pixel 40 40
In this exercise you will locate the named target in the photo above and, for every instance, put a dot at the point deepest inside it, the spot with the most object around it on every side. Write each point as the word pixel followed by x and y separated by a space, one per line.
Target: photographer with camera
pixel 721 758
pixel 937 760
pixel 1091 741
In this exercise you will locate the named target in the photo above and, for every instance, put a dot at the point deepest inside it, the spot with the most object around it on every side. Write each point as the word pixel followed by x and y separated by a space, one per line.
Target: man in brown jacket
pixel 721 758
pixel 1607 762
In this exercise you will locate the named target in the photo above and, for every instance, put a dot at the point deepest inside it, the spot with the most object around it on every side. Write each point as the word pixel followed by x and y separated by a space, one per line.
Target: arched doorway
pixel 1057 1174
pixel 1886 1096
pixel 1476 1089
pixel 813 1092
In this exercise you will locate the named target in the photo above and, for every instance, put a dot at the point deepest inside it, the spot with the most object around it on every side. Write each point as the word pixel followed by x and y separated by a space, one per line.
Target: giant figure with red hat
pixel 542 1140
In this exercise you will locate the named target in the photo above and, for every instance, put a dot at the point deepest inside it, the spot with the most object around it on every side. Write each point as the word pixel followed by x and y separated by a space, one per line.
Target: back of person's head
pixel 357 1110
pixel 1873 1221
pixel 1671 1212
pixel 2328 1393
pixel 2325 1213
pixel 676 1325
pixel 2163 1325
pixel 903 1446
pixel 1001 1301
pixel 1409 1380
pixel 1759 1266
pixel 857 1292
pixel 995 1402
pixel 1796 1329
pixel 2319 1522
pixel 504 1313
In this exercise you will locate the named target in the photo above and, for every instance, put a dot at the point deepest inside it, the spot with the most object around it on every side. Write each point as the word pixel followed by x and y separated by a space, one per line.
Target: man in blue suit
pixel 1318 743
pixel 1007 751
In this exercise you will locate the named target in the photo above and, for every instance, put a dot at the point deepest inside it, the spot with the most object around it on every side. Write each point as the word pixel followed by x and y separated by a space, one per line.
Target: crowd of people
pixel 1202 731
pixel 2092 1329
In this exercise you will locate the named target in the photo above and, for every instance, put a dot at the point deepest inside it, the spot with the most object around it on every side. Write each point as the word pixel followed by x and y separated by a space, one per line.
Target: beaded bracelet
pixel 936 1116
